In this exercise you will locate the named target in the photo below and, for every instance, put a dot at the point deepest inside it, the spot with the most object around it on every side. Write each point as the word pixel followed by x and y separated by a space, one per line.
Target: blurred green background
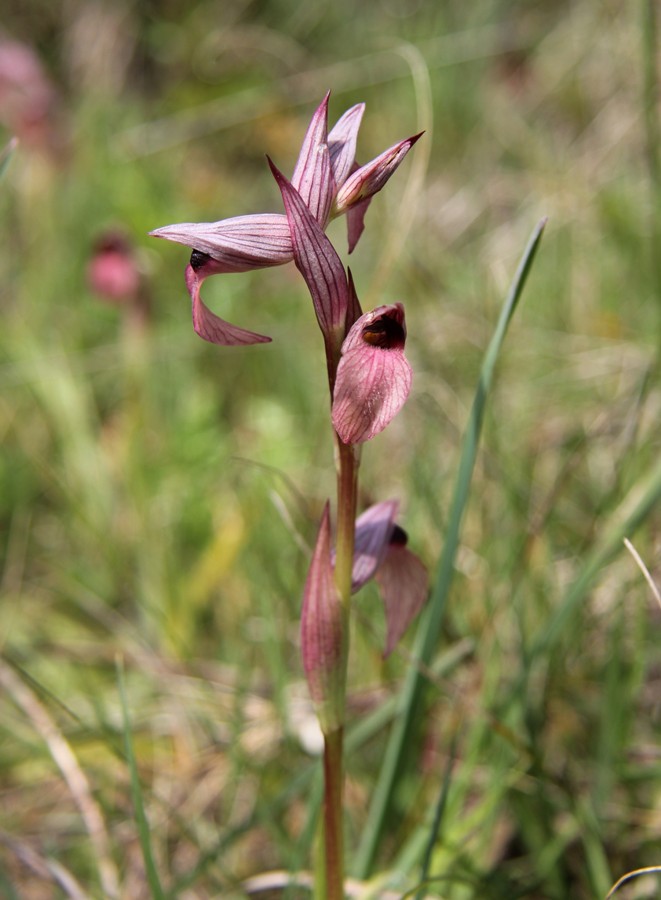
pixel 159 494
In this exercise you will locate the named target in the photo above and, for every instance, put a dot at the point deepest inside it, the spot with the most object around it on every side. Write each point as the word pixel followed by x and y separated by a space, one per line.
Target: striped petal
pixel 370 178
pixel 342 140
pixel 373 377
pixel 317 261
pixel 238 244
pixel 313 176
pixel 212 328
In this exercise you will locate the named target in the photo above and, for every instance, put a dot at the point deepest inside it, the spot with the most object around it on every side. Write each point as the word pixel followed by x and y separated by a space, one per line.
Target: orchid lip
pixel 386 333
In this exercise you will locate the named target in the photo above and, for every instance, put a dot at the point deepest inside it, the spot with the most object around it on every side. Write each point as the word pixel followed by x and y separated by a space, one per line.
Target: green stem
pixel 333 839
pixel 347 494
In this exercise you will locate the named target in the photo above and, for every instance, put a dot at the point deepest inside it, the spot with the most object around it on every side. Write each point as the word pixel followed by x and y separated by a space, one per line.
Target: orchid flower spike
pixel 329 182
pixel 381 553
pixel 373 376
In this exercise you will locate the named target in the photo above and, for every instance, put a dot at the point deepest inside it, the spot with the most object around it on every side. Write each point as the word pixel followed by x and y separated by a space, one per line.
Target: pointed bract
pixel 322 638
pixel 373 376
pixel 354 310
pixel 370 178
pixel 403 581
pixel 212 328
pixel 238 244
pixel 317 261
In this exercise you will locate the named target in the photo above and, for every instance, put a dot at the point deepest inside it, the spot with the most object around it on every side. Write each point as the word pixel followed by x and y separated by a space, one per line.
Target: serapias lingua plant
pixel 369 380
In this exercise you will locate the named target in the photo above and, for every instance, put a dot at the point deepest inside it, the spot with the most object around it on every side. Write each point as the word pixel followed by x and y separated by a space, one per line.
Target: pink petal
pixel 209 326
pixel 373 530
pixel 313 177
pixel 403 581
pixel 373 377
pixel 370 178
pixel 316 259
pixel 356 222
pixel 342 142
pixel 322 631
pixel 238 244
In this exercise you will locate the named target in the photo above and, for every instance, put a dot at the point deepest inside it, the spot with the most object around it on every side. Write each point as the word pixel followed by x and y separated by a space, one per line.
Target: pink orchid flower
pixel 381 553
pixel 329 182
pixel 373 376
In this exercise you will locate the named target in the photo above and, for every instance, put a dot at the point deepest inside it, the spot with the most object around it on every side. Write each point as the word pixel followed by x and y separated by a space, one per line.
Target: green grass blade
pixel 634 510
pixel 136 793
pixel 431 621
pixel 439 812
pixel 6 154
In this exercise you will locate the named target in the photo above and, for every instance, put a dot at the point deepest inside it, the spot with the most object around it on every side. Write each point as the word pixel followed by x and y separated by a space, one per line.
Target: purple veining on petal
pixel 313 177
pixel 373 377
pixel 238 244
pixel 370 178
pixel 212 328
pixel 342 142
pixel 403 581
pixel 316 259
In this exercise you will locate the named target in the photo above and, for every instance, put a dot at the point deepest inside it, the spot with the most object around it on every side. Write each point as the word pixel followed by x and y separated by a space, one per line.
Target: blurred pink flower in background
pixel 29 102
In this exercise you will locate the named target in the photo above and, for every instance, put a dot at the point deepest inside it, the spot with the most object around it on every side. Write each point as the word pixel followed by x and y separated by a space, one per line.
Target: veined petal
pixel 356 222
pixel 342 142
pixel 316 259
pixel 313 177
pixel 238 244
pixel 212 328
pixel 370 178
pixel 322 637
pixel 403 581
pixel 373 376
pixel 373 530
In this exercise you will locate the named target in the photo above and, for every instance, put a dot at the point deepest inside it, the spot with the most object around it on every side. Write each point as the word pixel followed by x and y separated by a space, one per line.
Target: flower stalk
pixel 369 380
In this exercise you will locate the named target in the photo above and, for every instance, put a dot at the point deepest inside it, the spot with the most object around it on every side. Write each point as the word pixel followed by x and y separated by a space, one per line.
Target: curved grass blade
pixel 431 621
pixel 136 793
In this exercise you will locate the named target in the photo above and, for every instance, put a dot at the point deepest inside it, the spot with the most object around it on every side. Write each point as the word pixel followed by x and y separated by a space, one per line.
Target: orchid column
pixel 369 380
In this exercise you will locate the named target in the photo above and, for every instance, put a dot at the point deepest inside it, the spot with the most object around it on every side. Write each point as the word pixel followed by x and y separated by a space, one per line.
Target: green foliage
pixel 158 495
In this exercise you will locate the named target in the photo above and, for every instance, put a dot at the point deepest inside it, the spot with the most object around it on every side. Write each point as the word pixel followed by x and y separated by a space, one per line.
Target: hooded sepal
pixel 313 176
pixel 373 376
pixel 322 633
pixel 239 244
pixel 342 140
